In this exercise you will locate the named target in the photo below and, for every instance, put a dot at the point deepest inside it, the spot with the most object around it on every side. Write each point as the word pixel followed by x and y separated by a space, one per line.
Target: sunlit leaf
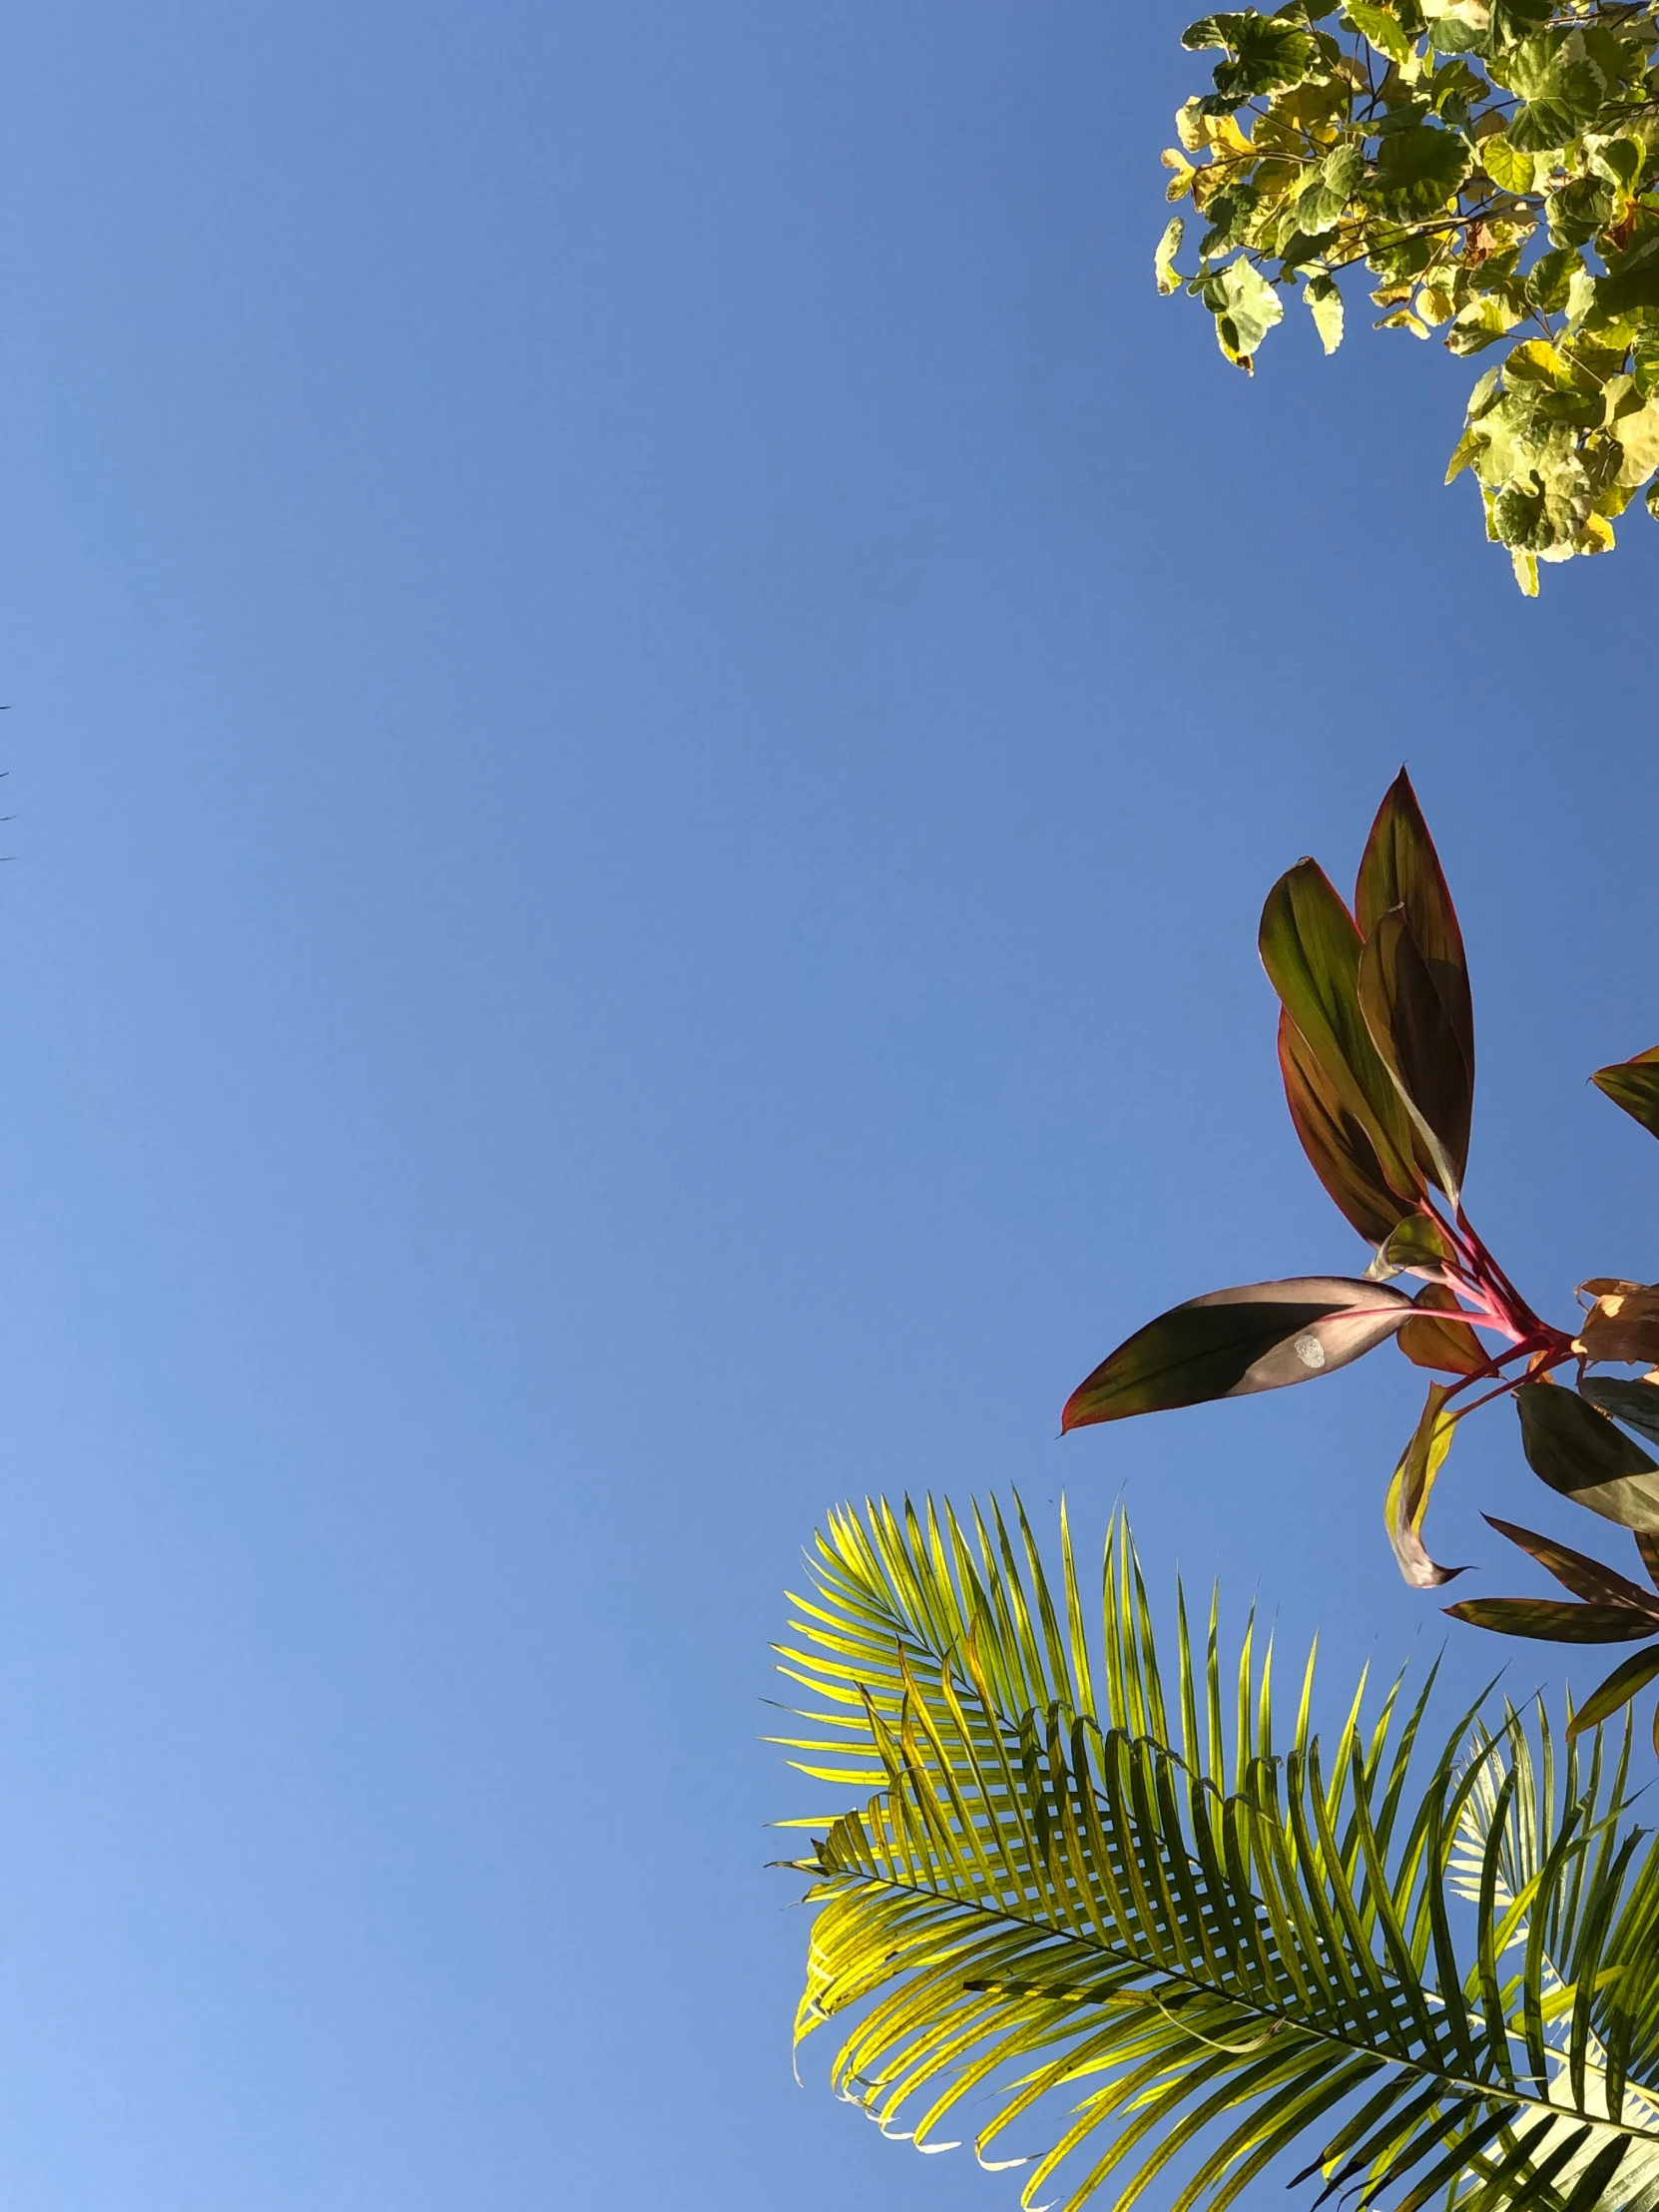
pixel 1623 1323
pixel 1634 1085
pixel 1384 31
pixel 1419 1244
pixel 1342 1155
pixel 1231 1344
pixel 1409 1492
pixel 1578 1452
pixel 1163 260
pixel 1120 1906
pixel 1311 949
pixel 1629 1676
pixel 1414 1037
pixel 1451 1347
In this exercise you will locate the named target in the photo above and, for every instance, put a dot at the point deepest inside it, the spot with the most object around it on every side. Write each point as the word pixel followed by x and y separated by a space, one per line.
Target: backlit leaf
pixel 1409 1492
pixel 1417 1245
pixel 1384 31
pixel 1231 1344
pixel 1623 1323
pixel 1414 1034
pixel 1451 1347
pixel 1634 1085
pixel 1578 1452
pixel 1311 949
pixel 1163 260
pixel 1629 1676
pixel 1324 305
pixel 1342 1155
pixel 1400 868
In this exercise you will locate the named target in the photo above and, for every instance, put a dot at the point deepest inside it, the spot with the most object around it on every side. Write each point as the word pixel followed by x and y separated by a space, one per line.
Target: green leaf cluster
pixel 1153 1933
pixel 1489 169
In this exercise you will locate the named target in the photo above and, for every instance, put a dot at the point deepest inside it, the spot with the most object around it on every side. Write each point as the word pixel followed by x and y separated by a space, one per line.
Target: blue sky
pixel 651 696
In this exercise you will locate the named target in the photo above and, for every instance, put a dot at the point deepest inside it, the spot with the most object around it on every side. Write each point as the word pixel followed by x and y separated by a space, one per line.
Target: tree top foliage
pixel 1493 167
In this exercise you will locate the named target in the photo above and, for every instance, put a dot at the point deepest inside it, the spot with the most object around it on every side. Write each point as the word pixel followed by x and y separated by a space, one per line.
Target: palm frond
pixel 1114 1914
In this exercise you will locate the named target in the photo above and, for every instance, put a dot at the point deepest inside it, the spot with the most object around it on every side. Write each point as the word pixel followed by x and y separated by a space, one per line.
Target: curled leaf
pixel 1409 1492
pixel 1231 1344
pixel 1340 1153
pixel 1418 1246
pixel 1629 1676
pixel 1622 1324
pixel 1578 1452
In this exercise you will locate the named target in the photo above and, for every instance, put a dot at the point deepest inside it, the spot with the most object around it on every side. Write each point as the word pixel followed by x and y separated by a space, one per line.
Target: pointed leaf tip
pixel 1233 1343
pixel 1400 868
pixel 1634 1085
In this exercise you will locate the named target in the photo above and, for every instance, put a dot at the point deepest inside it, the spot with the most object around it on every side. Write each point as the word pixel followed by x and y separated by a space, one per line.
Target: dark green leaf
pixel 1311 949
pixel 1419 170
pixel 1635 1403
pixel 1578 1452
pixel 1553 1620
pixel 1409 1492
pixel 1629 1676
pixel 1576 1572
pixel 1231 1344
pixel 1412 1032
pixel 1632 279
pixel 1634 1084
pixel 1343 1155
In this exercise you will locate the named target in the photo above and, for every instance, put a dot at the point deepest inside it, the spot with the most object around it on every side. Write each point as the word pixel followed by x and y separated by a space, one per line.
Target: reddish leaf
pixel 1451 1347
pixel 1343 1155
pixel 1311 950
pixel 1574 1570
pixel 1414 1034
pixel 1231 1344
pixel 1401 868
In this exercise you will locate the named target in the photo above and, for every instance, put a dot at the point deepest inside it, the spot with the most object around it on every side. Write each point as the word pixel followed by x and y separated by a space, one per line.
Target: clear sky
pixel 651 696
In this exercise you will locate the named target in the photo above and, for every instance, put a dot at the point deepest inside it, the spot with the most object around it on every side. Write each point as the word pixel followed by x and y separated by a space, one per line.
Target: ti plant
pixel 1493 166
pixel 1377 1049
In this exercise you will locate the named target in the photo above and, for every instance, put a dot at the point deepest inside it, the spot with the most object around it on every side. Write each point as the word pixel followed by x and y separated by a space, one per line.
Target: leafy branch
pixel 1493 163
